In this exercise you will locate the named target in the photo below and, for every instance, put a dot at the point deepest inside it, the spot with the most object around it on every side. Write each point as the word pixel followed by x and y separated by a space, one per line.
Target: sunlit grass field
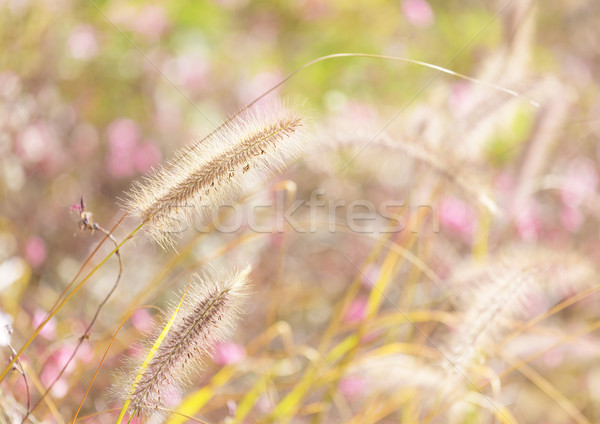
pixel 311 211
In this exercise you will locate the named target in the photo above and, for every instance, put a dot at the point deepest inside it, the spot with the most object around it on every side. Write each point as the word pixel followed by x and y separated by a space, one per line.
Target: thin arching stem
pixel 88 330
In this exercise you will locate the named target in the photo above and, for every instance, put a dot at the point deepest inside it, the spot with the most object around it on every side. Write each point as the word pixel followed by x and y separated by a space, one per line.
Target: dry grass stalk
pixel 496 293
pixel 208 315
pixel 204 176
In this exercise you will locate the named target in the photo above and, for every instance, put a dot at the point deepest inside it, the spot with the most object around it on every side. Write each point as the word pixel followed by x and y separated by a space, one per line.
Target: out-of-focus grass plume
pixel 438 265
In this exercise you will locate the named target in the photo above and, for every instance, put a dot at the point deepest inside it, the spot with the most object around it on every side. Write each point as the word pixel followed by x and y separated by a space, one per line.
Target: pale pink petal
pixel 142 320
pixel 351 387
pixel 457 216
pixel 418 12
pixel 571 218
pixel 123 136
pixel 151 21
pixel 49 330
pixel 229 353
pixel 147 155
pixel 60 388
pixel 35 251
pixel 580 183
pixel 528 222
pixel 83 43
pixel 357 310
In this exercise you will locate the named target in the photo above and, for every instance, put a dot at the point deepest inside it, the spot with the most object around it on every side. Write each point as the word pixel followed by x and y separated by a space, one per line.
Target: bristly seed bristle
pixel 209 313
pixel 204 176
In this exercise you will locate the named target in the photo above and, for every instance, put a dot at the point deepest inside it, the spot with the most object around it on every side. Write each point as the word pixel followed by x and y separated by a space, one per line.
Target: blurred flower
pixel 35 251
pixel 418 12
pixel 11 270
pixel 142 320
pixel 554 357
pixel 231 407
pixel 85 353
pixel 528 222
pixel 458 216
pixel 571 218
pixel 191 70
pixel 10 85
pixel 351 387
pixel 146 156
pixel 313 10
pixel 5 328
pixel 265 404
pixel 52 368
pixel 227 353
pixel 581 182
pixel 82 42
pixel 258 85
pixel 60 388
pixel 84 140
pixel 49 330
pixel 151 21
pixel 369 276
pixel 123 136
pixel 33 142
pixel 357 310
pixel 460 98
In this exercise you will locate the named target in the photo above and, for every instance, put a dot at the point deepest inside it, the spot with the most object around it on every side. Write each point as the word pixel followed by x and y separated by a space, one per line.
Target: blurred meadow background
pixel 480 305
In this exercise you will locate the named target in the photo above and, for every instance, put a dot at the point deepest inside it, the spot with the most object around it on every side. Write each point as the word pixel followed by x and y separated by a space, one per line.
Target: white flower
pixel 5 328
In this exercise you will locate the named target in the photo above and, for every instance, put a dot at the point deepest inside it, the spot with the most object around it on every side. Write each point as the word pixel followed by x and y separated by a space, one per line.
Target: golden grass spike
pixel 206 317
pixel 205 176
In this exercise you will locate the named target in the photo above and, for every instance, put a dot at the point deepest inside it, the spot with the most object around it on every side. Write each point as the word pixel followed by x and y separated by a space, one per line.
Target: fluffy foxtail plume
pixel 215 170
pixel 518 280
pixel 207 316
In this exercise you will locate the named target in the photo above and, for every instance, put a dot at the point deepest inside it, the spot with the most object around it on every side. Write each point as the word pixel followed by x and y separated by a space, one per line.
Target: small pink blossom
pixel 142 320
pixel 229 353
pixel 459 99
pixel 258 85
pixel 56 363
pixel 33 143
pixel 357 310
pixel 5 328
pixel 458 216
pixel 580 183
pixel 35 251
pixel 351 387
pixel 123 136
pixel 231 407
pixel 265 404
pixel 85 353
pixel 504 183
pixel 528 222
pixel 83 43
pixel 369 276
pixel 192 71
pixel 554 358
pixel 418 12
pixel 571 218
pixel 60 388
pixel 49 330
pixel 10 85
pixel 151 21
pixel 146 156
